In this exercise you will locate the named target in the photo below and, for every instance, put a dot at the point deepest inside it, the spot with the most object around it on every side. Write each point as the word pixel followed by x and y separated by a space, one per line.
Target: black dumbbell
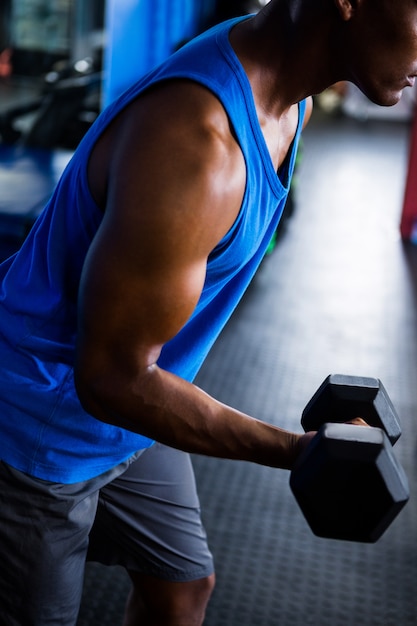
pixel 348 483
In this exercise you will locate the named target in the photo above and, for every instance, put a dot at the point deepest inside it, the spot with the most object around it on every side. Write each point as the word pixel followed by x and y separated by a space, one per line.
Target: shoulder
pixel 172 146
pixel 308 111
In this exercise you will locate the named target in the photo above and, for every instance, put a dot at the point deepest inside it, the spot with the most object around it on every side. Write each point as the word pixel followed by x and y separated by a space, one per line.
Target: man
pixel 107 312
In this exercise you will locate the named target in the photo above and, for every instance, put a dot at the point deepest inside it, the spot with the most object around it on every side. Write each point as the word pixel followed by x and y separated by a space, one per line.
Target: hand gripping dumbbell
pixel 347 482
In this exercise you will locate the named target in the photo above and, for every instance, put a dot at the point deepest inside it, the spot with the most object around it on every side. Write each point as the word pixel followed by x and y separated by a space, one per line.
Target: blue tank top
pixel 44 430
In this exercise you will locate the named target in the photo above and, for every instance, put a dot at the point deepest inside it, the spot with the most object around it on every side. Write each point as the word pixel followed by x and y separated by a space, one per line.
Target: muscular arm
pixel 175 183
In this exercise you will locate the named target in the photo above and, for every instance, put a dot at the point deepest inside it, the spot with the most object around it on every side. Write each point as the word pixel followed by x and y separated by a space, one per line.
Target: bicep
pixel 172 195
pixel 135 295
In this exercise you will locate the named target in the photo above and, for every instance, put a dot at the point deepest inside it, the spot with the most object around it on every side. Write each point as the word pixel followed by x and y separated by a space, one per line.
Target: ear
pixel 346 8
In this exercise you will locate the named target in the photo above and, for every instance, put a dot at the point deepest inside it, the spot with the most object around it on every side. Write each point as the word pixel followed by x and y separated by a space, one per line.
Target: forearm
pixel 168 409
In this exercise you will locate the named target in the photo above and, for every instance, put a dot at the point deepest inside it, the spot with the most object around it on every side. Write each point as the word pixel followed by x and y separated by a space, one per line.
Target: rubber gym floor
pixel 337 295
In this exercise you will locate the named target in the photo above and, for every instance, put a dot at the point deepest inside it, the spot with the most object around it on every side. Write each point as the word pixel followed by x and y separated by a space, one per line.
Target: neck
pixel 287 53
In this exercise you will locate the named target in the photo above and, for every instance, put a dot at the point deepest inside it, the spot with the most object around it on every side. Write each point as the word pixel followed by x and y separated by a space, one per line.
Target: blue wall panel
pixel 142 33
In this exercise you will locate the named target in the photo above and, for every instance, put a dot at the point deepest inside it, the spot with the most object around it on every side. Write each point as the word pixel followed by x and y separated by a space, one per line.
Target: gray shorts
pixel 143 515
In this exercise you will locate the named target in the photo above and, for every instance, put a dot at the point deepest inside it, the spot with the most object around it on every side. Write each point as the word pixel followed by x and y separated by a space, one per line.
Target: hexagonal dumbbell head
pixel 341 398
pixel 348 483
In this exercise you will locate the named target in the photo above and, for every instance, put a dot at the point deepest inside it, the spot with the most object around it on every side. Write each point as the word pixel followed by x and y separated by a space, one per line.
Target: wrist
pixel 300 443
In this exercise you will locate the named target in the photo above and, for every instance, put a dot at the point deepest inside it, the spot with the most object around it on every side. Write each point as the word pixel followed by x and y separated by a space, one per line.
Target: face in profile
pixel 383 48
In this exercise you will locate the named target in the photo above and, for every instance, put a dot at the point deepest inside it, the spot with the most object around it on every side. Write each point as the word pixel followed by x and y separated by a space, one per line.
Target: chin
pixel 388 99
pixel 385 95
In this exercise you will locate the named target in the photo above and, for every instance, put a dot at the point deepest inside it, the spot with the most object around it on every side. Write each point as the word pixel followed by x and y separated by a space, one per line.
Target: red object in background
pixel 408 226
pixel 5 63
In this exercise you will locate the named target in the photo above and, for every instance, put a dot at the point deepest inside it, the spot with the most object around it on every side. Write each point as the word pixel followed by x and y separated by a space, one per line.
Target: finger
pixel 358 421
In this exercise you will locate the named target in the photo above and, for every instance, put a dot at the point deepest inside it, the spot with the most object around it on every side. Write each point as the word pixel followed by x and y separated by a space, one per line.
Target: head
pixel 379 39
pixel 372 43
